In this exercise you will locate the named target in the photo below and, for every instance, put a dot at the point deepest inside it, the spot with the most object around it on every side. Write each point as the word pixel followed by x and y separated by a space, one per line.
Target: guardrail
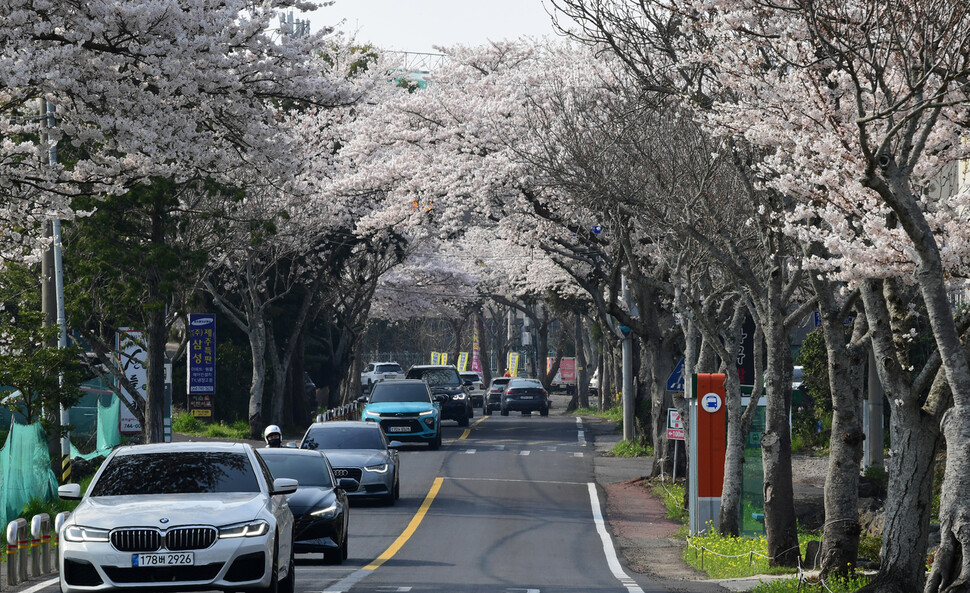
pixel 32 547
pixel 350 411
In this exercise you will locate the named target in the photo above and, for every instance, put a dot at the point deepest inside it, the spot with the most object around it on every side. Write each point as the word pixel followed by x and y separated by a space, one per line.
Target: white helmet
pixel 268 433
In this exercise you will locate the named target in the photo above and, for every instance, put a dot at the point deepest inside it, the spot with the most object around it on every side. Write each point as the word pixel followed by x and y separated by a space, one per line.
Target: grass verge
pixel 185 423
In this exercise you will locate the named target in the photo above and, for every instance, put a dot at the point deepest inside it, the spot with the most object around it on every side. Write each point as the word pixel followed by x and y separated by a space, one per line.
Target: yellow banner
pixel 435 358
pixel 513 365
pixel 463 361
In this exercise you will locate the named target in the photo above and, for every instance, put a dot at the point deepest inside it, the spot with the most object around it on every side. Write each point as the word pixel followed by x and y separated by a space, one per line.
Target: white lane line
pixel 346 583
pixel 500 447
pixel 614 563
pixel 523 481
pixel 41 585
pixel 523 452
pixel 579 454
pixel 581 435
pixel 470 451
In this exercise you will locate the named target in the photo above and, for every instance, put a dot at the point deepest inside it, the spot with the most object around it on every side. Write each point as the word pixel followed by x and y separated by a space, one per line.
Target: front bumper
pixel 227 564
pixel 407 428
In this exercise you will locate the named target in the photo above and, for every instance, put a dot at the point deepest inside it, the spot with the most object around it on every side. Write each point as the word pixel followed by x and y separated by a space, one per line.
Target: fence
pixel 349 411
pixel 32 547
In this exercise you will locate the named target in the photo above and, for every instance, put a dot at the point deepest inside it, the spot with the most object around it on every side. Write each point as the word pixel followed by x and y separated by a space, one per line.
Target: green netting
pixel 109 435
pixel 25 470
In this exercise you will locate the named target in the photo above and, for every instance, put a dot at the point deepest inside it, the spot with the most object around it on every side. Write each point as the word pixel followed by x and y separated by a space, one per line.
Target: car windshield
pixel 520 384
pixel 470 377
pixel 400 392
pixel 182 472
pixel 308 470
pixel 388 368
pixel 342 437
pixel 500 382
pixel 436 377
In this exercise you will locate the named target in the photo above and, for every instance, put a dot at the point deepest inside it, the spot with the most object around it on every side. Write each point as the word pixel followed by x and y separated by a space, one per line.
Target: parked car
pixel 375 372
pixel 444 380
pixel 594 382
pixel 405 410
pixel 526 396
pixel 493 398
pixel 179 515
pixel 476 391
pixel 359 450
pixel 321 514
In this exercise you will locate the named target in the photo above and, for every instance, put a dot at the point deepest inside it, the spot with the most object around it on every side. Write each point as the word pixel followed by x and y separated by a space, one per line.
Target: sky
pixel 419 25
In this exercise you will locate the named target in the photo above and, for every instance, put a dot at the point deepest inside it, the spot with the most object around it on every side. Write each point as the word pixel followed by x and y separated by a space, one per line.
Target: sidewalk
pixel 643 536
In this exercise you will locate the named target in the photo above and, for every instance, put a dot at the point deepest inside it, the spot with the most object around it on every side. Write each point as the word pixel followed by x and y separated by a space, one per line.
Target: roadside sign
pixel 711 402
pixel 675 425
pixel 675 382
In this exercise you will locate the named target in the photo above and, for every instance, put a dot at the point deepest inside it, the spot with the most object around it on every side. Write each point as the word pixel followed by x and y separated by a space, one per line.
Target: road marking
pixel 523 453
pixel 523 481
pixel 40 586
pixel 614 563
pixel 579 454
pixel 468 430
pixel 411 528
pixel 582 433
pixel 470 451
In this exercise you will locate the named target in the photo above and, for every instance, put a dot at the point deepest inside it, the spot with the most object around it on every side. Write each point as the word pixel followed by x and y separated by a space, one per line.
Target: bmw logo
pixel 163 520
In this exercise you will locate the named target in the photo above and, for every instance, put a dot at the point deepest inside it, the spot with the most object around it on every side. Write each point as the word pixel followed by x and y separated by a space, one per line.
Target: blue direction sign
pixel 675 382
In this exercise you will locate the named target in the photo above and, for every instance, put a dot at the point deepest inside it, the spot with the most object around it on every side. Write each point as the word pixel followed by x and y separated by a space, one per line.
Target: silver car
pixel 179 516
pixel 359 450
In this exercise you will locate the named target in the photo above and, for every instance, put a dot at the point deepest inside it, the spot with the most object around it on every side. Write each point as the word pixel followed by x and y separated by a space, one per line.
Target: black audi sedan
pixel 321 514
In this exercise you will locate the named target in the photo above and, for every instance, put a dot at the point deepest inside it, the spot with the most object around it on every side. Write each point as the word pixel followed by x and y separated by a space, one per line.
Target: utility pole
pixel 48 121
pixel 629 397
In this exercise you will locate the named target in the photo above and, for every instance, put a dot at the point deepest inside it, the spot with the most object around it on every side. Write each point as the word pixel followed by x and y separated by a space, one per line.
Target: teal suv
pixel 405 410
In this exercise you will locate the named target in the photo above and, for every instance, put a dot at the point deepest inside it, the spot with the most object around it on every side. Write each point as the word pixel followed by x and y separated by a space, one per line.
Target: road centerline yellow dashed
pixel 411 528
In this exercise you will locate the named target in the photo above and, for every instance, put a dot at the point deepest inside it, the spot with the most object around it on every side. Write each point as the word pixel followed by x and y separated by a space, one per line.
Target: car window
pixel 471 377
pixel 342 437
pixel 436 377
pixel 308 470
pixel 399 392
pixel 389 368
pixel 501 382
pixel 184 472
pixel 369 368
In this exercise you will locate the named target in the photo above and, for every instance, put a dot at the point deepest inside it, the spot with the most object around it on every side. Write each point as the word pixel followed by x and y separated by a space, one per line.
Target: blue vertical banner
pixel 201 372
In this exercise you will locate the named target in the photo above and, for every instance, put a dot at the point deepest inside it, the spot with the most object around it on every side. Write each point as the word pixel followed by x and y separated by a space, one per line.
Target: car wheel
pixel 345 548
pixel 486 411
pixel 397 488
pixel 505 411
pixel 334 556
pixel 274 583
pixel 288 585
pixel 544 411
pixel 436 443
pixel 463 421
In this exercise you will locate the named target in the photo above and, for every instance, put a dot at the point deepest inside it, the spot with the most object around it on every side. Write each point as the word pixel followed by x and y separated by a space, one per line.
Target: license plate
pixel 398 429
pixel 172 559
pixel 528 397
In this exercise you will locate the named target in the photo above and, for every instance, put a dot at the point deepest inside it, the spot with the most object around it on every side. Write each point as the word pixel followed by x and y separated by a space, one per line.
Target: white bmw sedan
pixel 179 516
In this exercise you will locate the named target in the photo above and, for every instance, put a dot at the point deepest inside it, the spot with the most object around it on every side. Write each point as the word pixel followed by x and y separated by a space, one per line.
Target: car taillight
pixel 512 391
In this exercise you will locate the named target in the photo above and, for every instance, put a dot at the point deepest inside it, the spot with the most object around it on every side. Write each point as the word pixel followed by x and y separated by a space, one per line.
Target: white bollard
pixel 17 544
pixel 40 544
pixel 59 521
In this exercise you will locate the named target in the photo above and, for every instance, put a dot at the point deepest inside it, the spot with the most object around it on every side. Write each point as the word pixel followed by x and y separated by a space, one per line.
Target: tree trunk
pixel 730 511
pixel 156 334
pixel 257 347
pixel 780 528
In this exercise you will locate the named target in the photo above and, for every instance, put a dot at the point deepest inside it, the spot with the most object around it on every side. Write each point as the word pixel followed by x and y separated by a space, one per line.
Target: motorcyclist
pixel 273 436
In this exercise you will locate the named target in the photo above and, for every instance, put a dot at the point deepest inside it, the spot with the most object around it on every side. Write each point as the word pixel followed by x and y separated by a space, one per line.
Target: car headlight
pixel 459 396
pixel 326 513
pixel 368 415
pixel 380 468
pixel 76 533
pixel 251 529
pixel 426 413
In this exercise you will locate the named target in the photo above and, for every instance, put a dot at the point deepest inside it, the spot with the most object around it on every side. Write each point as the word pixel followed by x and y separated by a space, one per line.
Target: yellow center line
pixel 468 431
pixel 411 528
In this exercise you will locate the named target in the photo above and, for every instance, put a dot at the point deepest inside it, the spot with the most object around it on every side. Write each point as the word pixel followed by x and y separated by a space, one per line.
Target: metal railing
pixel 349 411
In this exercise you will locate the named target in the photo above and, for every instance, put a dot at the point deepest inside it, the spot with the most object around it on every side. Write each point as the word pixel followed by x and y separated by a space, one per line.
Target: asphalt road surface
pixel 507 505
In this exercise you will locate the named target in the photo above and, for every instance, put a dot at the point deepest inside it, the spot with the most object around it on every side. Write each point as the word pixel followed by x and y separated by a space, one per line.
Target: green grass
pixel 185 423
pixel 734 557
pixel 812 584
pixel 672 496
pixel 631 449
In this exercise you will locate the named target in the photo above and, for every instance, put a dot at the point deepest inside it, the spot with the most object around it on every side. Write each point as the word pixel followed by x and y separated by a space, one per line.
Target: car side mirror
pixel 468 383
pixel 292 445
pixel 362 399
pixel 348 484
pixel 441 397
pixel 69 491
pixel 395 445
pixel 284 486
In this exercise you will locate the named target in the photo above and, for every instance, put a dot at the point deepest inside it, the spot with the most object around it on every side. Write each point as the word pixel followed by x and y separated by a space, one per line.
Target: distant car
pixel 594 382
pixel 476 391
pixel 493 398
pixel 526 396
pixel 405 410
pixel 376 372
pixel 444 380
pixel 179 515
pixel 359 450
pixel 321 514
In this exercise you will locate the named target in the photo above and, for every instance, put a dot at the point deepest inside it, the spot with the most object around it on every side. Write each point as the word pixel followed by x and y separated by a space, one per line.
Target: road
pixel 507 505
